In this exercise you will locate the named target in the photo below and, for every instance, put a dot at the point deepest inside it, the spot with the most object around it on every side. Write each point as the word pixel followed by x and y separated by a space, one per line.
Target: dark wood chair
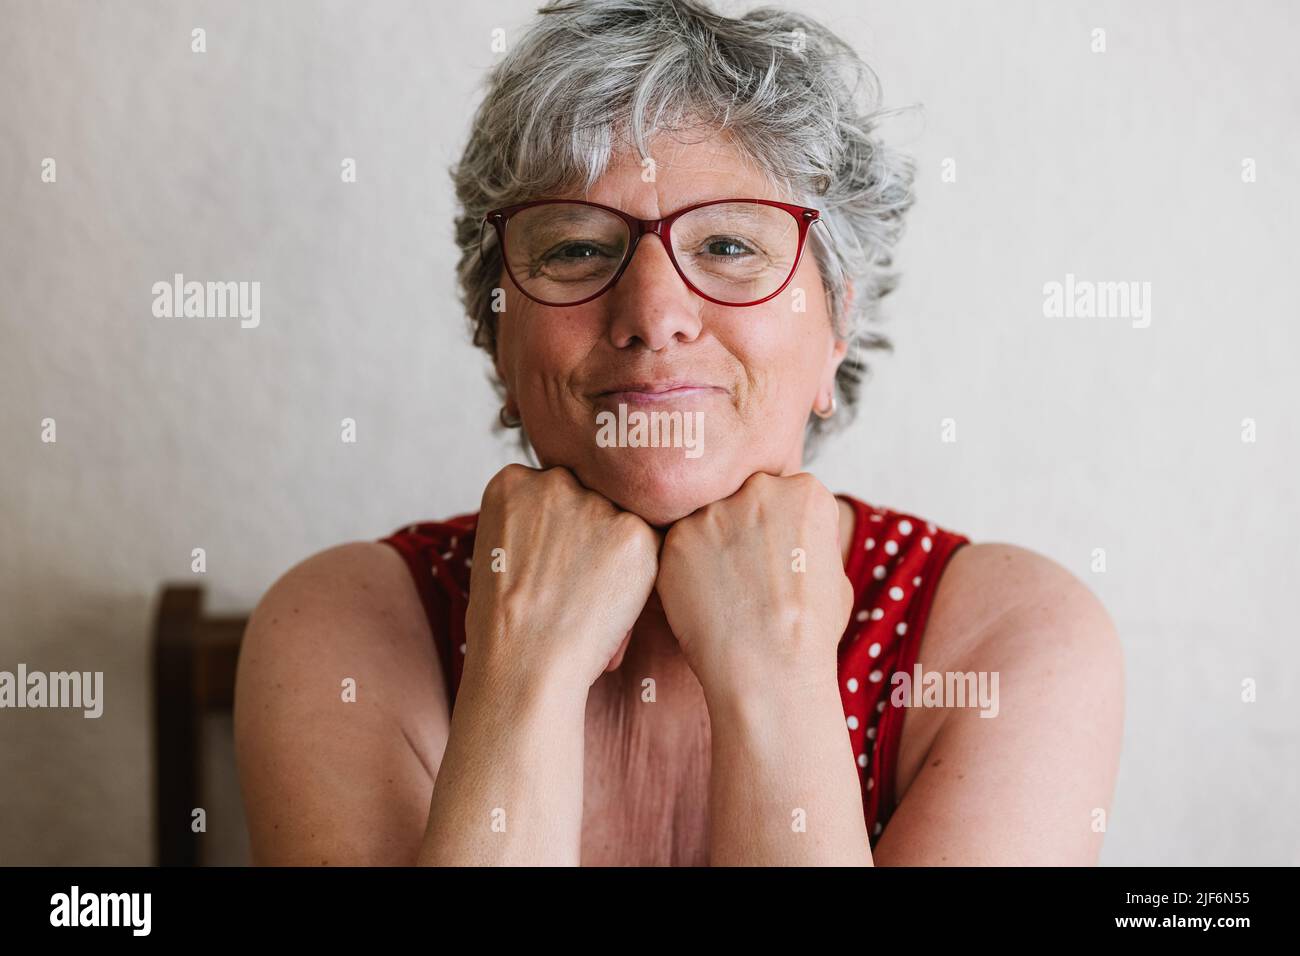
pixel 194 660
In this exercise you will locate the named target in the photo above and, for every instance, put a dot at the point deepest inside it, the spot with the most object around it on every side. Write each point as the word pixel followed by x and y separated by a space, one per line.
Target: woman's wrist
pixel 509 790
pixel 530 688
pixel 780 753
pixel 769 695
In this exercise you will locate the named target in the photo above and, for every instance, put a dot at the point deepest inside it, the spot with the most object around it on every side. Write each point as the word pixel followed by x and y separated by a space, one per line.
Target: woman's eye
pixel 576 250
pixel 726 248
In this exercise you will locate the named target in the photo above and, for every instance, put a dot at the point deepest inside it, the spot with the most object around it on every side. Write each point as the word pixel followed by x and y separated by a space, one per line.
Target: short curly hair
pixel 593 76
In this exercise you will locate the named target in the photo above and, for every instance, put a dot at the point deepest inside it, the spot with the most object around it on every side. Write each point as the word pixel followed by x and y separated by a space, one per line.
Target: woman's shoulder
pixel 1004 606
pixel 398 577
pixel 397 582
pixel 348 611
pixel 346 579
pixel 346 591
pixel 1004 587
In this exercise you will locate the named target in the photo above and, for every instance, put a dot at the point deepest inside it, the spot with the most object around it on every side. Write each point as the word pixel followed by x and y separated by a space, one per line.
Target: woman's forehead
pixel 675 175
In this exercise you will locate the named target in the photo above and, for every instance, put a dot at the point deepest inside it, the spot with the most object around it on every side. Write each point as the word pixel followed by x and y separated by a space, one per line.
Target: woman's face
pixel 747 377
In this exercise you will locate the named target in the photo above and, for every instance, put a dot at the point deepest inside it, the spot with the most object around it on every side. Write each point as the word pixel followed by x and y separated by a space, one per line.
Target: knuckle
pixel 495 489
pixel 814 499
pixel 632 529
pixel 676 535
pixel 560 474
pixel 558 480
pixel 634 539
pixel 504 483
pixel 510 476
pixel 808 485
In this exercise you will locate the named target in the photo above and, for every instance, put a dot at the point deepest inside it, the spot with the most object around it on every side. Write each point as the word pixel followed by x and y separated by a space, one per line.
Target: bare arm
pixel 510 789
pixel 1033 785
pixel 784 789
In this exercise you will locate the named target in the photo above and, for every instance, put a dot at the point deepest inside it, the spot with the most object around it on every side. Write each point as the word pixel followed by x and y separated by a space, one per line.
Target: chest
pixel 645 775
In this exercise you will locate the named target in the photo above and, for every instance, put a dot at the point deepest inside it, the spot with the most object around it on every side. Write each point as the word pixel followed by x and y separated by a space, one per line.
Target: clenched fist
pixel 754 588
pixel 575 574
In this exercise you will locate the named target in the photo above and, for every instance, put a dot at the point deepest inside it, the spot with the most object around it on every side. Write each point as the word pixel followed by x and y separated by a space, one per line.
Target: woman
pixel 667 644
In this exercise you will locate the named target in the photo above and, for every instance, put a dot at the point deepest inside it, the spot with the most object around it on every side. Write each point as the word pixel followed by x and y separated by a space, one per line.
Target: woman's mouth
pixel 658 393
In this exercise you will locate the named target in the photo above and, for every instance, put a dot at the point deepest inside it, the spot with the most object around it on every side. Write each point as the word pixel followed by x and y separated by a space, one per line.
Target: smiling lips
pixel 657 393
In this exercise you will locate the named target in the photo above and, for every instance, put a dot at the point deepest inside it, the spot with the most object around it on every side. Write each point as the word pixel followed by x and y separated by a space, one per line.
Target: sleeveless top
pixel 894 564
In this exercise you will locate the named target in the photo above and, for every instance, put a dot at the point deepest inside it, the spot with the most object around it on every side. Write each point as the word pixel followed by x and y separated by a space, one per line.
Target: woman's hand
pixel 753 586
pixel 755 590
pixel 557 601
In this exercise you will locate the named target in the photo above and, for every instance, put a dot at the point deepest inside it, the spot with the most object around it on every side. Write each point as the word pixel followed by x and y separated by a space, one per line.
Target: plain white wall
pixel 1073 434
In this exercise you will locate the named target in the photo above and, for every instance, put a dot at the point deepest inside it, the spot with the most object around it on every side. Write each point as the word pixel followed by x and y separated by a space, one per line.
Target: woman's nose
pixel 650 303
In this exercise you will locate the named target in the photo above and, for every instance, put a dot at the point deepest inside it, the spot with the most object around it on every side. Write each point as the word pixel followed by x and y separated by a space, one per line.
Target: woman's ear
pixel 839 347
pixel 838 350
pixel 826 387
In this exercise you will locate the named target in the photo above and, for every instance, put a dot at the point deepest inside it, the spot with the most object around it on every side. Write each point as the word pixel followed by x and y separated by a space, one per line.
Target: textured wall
pixel 1073 434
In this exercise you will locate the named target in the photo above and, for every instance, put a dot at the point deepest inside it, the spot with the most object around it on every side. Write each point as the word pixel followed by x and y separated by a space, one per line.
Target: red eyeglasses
pixel 736 252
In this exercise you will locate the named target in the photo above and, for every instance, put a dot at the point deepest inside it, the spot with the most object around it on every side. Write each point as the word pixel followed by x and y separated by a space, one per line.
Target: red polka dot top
pixel 894 563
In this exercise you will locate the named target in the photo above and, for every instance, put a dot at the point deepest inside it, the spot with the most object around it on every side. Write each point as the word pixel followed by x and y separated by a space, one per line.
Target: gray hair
pixel 593 76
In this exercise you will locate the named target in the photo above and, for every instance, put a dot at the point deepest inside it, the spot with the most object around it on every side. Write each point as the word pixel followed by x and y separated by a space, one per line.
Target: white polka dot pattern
pixel 883 629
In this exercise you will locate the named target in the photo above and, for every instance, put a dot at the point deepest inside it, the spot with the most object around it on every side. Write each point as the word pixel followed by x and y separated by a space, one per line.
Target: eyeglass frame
pixel 804 216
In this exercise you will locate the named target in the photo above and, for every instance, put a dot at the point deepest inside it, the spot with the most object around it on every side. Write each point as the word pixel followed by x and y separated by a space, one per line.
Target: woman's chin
pixel 662 509
pixel 659 514
pixel 659 490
